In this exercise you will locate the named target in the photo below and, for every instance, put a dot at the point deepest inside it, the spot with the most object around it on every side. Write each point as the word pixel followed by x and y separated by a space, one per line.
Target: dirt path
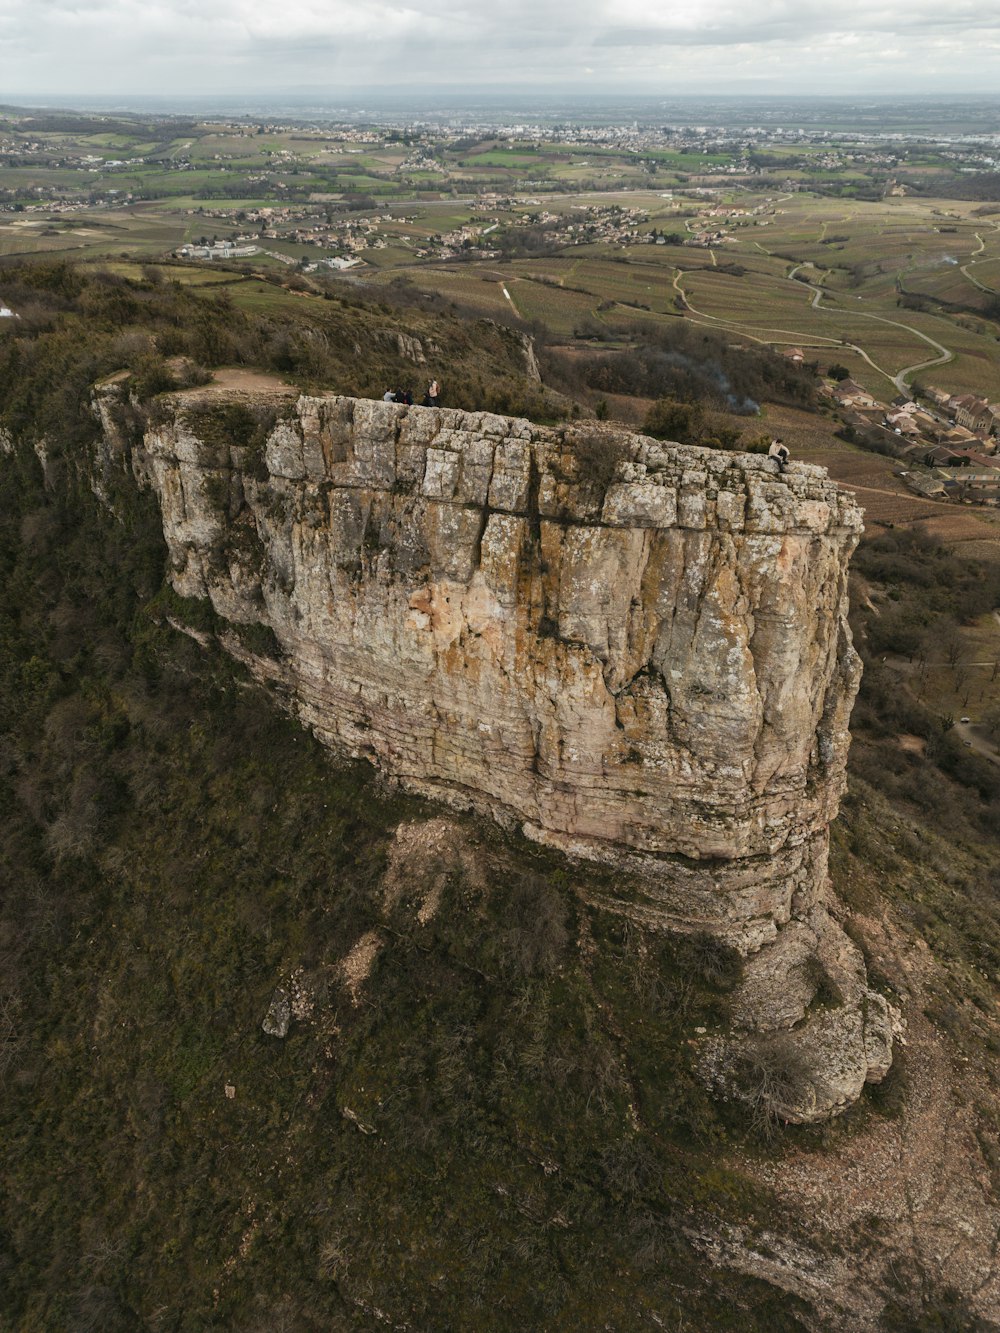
pixel 899 380
pixel 942 360
pixel 510 299
pixel 881 490
pixel 228 379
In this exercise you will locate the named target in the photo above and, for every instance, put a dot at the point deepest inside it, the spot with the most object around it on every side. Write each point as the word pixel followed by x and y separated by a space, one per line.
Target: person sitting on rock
pixel 388 396
pixel 779 451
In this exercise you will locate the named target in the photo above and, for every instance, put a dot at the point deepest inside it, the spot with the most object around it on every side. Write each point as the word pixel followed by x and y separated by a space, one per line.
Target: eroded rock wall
pixel 637 651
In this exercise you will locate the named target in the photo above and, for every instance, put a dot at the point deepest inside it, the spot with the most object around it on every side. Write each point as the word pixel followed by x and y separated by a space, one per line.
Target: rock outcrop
pixel 636 651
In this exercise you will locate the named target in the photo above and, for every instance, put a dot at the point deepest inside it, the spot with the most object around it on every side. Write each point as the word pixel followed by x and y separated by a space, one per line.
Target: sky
pixel 58 49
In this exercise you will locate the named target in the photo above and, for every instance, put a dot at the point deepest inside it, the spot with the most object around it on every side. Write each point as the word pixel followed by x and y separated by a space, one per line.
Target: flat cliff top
pixel 590 473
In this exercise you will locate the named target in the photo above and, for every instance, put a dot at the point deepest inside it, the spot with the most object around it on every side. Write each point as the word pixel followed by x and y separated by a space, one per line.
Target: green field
pixel 263 297
pixel 467 287
pixel 559 310
pixel 127 231
pixel 186 275
pixel 503 157
pixel 632 284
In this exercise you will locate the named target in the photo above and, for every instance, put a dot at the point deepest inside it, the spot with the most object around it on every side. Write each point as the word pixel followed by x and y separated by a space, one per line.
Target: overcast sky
pixel 92 47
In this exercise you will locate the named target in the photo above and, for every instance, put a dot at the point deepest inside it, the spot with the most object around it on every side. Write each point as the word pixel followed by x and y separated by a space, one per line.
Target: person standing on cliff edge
pixel 434 394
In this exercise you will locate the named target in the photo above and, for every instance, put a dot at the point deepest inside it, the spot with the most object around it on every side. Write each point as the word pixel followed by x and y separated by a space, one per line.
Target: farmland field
pixel 987 271
pixel 905 278
pixel 467 286
pixel 558 309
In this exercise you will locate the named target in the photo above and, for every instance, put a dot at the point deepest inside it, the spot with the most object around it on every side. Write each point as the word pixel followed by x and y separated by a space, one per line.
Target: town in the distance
pixel 863 244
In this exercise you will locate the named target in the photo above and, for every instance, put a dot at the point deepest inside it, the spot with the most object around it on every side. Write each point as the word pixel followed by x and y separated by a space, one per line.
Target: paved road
pixel 899 380
pixel 943 355
pixel 807 339
pixel 964 268
pixel 966 731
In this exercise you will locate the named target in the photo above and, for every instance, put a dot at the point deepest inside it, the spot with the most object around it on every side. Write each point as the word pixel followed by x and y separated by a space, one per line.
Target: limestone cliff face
pixel 637 651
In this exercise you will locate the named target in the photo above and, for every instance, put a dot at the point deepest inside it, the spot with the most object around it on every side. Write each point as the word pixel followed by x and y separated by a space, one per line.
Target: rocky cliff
pixel 636 651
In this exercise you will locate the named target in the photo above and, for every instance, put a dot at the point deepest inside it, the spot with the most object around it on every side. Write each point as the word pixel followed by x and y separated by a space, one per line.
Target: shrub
pixel 768 1078
pixel 597 460
pixel 670 419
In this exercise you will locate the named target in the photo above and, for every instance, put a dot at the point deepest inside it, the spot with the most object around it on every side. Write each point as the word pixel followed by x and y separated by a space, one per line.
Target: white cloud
pixel 131 46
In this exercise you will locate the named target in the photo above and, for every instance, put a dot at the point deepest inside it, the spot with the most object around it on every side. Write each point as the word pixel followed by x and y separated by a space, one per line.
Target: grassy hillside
pixel 77 324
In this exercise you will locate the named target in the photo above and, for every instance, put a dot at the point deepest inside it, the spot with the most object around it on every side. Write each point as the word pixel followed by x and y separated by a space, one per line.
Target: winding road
pixel 811 339
pixel 964 268
pixel 900 379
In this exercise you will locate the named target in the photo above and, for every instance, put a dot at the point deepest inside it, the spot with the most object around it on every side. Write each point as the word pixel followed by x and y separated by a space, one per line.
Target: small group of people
pixel 432 398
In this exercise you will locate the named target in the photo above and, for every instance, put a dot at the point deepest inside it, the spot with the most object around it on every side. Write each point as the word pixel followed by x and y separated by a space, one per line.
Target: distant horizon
pixel 243 50
pixel 398 91
pixel 885 113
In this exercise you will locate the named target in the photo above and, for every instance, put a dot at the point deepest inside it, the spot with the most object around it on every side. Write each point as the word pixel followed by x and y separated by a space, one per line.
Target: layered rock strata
pixel 636 651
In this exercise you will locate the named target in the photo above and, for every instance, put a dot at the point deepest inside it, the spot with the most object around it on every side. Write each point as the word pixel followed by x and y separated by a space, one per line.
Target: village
pixel 724 217
pixel 349 236
pixel 947 442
